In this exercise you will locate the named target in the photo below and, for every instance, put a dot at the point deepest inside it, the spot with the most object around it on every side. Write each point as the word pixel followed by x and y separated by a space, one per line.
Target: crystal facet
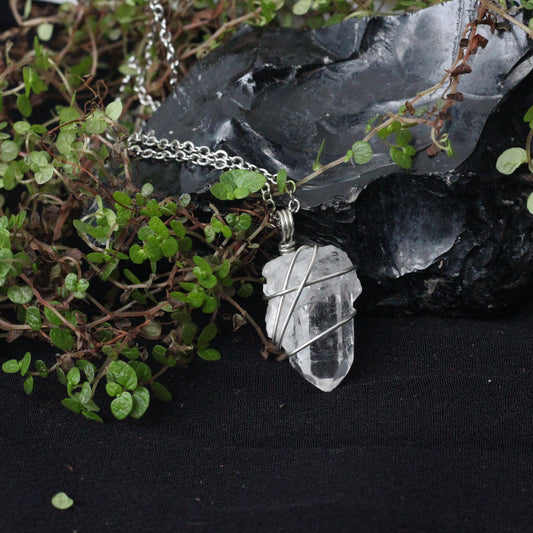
pixel 320 306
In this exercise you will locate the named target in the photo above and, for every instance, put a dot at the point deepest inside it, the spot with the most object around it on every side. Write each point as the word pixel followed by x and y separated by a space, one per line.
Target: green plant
pixel 123 284
pixel 513 158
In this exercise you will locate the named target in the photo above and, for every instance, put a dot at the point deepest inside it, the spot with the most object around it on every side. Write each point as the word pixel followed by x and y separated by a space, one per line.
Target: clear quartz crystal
pixel 325 362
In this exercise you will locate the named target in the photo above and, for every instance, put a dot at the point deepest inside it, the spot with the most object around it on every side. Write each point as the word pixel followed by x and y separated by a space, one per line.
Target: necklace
pixel 310 289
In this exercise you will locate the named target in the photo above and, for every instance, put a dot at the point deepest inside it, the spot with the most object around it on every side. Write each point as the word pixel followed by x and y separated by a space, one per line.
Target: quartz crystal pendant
pixel 310 309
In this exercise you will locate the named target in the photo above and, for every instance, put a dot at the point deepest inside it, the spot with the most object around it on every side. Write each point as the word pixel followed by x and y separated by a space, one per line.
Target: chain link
pixel 139 72
pixel 144 146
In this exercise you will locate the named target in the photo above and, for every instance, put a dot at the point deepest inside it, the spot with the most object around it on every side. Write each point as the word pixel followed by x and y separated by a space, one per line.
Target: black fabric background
pixel 431 431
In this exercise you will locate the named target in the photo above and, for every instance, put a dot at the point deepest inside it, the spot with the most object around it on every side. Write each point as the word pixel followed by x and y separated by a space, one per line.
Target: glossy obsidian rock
pixel 451 235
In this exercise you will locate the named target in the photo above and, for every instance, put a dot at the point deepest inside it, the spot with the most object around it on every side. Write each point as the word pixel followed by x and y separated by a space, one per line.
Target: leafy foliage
pixel 123 284
pixel 512 158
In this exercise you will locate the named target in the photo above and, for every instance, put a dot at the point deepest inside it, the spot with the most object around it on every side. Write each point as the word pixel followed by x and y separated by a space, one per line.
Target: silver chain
pixel 144 146
pixel 139 72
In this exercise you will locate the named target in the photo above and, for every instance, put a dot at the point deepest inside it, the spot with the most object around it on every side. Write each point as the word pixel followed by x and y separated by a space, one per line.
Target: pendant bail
pixel 285 221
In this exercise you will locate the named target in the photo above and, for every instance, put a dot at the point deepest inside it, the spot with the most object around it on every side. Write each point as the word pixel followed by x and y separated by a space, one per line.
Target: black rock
pixel 451 235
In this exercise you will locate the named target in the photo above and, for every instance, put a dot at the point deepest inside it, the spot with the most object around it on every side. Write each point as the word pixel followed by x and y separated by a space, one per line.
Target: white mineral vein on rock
pixel 327 361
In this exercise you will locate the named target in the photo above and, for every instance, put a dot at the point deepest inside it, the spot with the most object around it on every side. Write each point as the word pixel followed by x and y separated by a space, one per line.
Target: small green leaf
pixel 409 150
pixel 20 295
pixel 21 127
pixel 530 203
pixel 68 114
pixel 114 110
pixel 24 105
pixel 72 405
pixel 400 158
pixel 245 290
pixel 159 352
pixel 253 181
pixel 403 138
pixel 185 199
pixel 152 249
pixel 510 160
pixel 91 416
pixel 71 281
pixel 113 389
pixel 196 298
pixel 301 7
pixel 85 393
pixel 131 353
pixel 187 335
pixel 203 264
pixel 169 247
pixel 33 318
pixel 528 117
pixel 145 232
pixel 362 152
pixel 244 222
pixel 131 276
pixel 206 336
pixel 122 405
pixel 74 376
pixel 28 385
pixel 209 233
pixel 210 305
pixel 161 392
pixel 62 501
pixel 185 244
pixel 62 338
pixel 223 270
pixel 122 198
pixel 143 371
pixel 209 281
pixel 141 401
pixel 158 227
pixel 94 125
pixel 61 376
pixel 226 231
pixel 123 374
pixel 241 192
pixel 44 174
pixel 44 31
pixel 221 191
pixel 210 354
pixel 41 368
pixel 178 228
pixel 11 367
pixel 147 190
pixel 25 363
pixel 87 368
pixel 9 150
pixel 281 180
pixel 152 330
pixel 137 254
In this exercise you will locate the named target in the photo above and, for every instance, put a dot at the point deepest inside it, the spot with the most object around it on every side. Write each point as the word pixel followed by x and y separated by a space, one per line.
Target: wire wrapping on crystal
pixel 310 295
pixel 280 329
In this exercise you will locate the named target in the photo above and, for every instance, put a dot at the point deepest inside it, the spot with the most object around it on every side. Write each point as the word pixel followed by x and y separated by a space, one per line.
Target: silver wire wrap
pixel 285 222
pixel 280 329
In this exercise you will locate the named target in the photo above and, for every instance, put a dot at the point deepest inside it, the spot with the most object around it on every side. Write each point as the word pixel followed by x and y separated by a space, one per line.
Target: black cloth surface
pixel 431 431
